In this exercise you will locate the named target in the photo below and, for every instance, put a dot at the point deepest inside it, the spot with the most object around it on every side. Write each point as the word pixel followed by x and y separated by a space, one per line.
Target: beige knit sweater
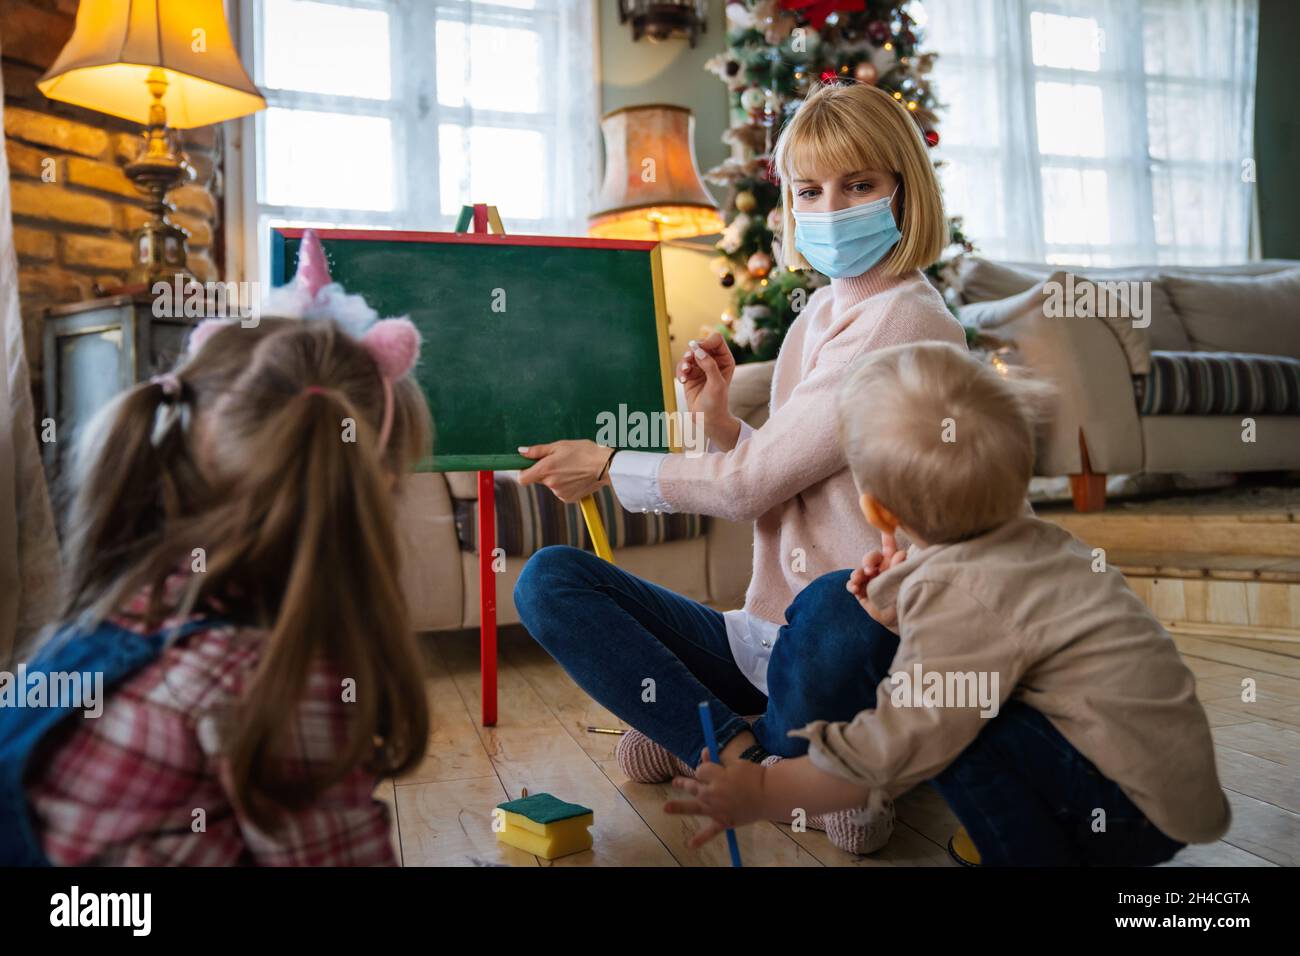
pixel 790 477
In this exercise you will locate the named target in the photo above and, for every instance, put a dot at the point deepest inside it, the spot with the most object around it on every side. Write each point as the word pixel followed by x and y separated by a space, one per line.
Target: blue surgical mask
pixel 847 242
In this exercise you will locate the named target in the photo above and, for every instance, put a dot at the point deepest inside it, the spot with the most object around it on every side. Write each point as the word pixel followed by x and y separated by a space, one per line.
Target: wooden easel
pixel 482 218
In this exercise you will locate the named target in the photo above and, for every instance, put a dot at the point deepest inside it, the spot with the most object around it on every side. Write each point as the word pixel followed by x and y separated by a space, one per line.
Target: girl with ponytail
pixel 233 585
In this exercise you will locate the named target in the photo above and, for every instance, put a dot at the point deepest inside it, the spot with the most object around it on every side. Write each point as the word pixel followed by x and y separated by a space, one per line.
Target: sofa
pixel 1159 370
pixel 709 560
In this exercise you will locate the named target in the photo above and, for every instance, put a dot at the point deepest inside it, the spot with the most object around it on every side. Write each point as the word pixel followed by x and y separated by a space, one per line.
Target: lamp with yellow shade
pixel 168 64
pixel 652 188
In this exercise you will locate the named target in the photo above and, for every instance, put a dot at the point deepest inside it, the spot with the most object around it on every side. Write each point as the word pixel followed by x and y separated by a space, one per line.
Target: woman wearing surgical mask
pixel 862 206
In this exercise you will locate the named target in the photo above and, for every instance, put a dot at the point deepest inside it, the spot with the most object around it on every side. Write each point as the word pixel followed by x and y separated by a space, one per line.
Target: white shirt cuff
pixel 635 477
pixel 745 432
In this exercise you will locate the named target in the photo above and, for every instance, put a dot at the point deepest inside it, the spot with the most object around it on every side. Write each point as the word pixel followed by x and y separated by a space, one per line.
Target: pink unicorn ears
pixel 313 269
pixel 395 346
pixel 204 331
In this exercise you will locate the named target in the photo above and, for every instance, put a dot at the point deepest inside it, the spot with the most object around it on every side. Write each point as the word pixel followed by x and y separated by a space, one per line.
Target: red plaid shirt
pixel 124 788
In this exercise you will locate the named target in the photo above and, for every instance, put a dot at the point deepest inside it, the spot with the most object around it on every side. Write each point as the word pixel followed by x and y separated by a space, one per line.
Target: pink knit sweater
pixel 790 476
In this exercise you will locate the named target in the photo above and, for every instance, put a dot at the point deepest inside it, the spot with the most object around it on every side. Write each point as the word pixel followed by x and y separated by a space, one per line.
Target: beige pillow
pixel 1065 298
pixel 982 280
pixel 1259 314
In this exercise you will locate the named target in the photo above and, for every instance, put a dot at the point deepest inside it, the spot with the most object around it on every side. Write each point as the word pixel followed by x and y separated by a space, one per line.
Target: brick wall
pixel 73 209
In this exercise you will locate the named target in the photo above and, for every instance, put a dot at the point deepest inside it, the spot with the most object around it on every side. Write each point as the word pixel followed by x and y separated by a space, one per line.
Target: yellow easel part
pixel 596 528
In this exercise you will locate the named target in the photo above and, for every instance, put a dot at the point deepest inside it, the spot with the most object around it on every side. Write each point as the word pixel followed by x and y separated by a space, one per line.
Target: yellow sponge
pixel 545 826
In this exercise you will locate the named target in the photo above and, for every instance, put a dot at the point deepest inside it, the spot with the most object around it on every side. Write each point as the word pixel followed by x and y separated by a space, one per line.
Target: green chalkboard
pixel 526 339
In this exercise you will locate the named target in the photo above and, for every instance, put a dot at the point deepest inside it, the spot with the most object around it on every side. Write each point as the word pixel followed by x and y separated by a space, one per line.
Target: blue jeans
pixel 651 656
pixel 1027 797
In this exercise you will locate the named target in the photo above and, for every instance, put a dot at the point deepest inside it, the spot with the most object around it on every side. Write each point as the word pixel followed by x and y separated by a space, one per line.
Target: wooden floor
pixel 443 810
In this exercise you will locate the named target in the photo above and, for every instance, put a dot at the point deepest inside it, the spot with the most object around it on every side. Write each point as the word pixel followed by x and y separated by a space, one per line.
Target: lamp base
pixel 160 245
pixel 160 253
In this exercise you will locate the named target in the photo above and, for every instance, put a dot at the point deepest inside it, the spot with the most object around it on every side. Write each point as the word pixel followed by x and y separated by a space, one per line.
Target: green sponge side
pixel 543 808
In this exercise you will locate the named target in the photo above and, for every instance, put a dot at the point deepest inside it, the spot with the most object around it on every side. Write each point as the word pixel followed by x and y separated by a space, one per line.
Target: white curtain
pixel 29 549
pixel 1098 132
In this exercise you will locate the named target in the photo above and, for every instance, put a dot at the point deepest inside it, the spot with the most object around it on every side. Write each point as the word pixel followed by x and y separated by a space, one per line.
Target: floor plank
pixel 567 701
pixel 762 844
pixel 455 751
pixel 531 748
pixel 449 823
pixel 1256 777
pixel 526 731
pixel 1216 854
pixel 1228 653
pixel 1264 830
pixel 1262 739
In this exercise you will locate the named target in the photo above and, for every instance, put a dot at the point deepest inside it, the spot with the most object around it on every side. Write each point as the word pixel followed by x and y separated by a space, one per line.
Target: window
pixel 395 113
pixel 1098 132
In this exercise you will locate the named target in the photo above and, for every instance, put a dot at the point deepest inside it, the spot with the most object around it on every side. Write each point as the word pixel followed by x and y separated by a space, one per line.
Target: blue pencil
pixel 711 741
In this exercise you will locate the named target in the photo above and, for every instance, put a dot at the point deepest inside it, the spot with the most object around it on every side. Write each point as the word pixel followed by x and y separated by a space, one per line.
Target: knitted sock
pixel 645 761
pixel 861 830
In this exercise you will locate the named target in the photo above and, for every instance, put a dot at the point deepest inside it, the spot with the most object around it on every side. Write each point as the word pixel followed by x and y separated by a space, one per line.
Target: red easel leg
pixel 487 596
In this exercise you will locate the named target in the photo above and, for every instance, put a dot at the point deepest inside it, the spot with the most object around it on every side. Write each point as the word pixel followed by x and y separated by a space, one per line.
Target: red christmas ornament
pixel 829 76
pixel 878 31
pixel 932 137
pixel 816 11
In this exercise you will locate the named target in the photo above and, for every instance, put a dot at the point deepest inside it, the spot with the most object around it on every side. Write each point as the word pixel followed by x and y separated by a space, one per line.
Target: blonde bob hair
pixel 841 128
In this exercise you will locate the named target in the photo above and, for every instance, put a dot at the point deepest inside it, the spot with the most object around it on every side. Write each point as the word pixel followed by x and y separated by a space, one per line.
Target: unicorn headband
pixel 394 344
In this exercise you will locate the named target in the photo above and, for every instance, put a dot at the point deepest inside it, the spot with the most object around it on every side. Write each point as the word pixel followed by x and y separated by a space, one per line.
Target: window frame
pixel 413 110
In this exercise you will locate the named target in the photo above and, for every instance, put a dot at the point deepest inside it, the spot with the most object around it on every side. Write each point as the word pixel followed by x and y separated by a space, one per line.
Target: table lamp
pixel 168 64
pixel 652 187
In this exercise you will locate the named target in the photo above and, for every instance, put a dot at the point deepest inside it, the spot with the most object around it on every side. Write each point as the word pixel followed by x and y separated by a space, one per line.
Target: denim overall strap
pixel 110 650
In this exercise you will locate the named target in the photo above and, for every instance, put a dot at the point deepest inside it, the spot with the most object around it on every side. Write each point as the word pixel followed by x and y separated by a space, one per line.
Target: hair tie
pixel 169 383
pixel 312 390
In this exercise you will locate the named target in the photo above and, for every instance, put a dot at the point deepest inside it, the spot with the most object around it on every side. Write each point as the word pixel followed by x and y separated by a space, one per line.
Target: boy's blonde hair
pixel 845 127
pixel 943 440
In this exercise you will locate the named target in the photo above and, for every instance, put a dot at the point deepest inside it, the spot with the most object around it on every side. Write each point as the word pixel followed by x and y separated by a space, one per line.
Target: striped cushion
pixel 1219 383
pixel 530 518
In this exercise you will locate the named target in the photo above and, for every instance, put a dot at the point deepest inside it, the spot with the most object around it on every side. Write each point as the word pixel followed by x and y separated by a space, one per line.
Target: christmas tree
pixel 777 51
